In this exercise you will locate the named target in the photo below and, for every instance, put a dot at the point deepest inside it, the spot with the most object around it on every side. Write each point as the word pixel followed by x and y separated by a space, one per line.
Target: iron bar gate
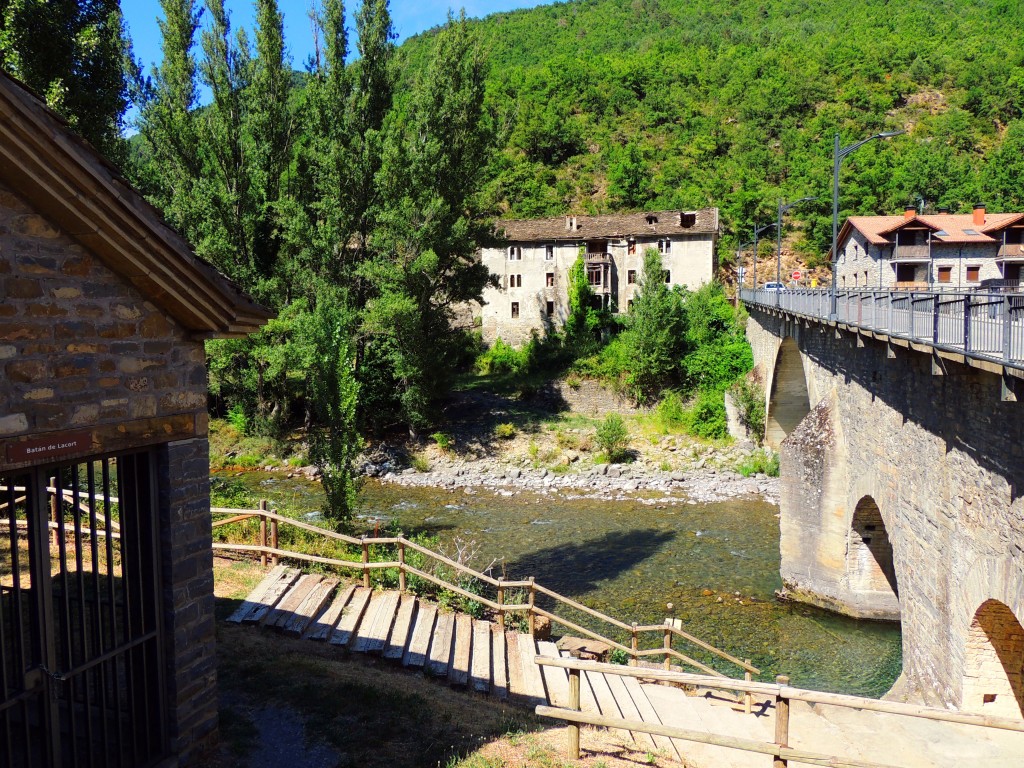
pixel 81 662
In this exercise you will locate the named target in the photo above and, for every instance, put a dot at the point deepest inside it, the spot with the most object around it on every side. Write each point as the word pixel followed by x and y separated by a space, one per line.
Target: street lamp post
pixel 837 156
pixel 758 231
pixel 783 207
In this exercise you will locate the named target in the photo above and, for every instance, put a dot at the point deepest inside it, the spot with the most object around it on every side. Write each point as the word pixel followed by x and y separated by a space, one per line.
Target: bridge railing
pixel 986 325
pixel 527 591
pixel 777 695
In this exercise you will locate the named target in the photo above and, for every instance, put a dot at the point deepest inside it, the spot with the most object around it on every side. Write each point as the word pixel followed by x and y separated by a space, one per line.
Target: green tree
pixel 629 179
pixel 424 261
pixel 74 53
pixel 656 334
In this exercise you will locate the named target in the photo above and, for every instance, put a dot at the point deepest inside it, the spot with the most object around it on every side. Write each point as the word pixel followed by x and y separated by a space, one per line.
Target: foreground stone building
pixel 533 258
pixel 106 581
pixel 943 250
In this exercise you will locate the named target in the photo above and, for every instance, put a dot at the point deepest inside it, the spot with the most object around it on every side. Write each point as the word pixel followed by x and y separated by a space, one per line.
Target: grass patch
pixel 765 462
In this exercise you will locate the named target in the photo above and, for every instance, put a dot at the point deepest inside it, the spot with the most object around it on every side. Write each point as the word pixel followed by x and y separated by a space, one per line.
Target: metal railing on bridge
pixel 980 325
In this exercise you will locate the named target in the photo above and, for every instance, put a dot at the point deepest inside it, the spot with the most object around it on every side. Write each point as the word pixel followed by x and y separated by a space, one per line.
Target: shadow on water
pixel 572 568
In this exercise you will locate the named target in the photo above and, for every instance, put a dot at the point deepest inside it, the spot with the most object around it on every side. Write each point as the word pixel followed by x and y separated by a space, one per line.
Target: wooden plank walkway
pixel 471 654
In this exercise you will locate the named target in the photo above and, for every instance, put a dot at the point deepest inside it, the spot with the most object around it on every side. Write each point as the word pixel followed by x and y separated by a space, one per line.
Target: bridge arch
pixel 870 564
pixel 994 662
pixel 788 398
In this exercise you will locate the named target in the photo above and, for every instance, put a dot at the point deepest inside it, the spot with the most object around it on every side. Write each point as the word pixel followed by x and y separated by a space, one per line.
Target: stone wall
pixel 83 350
pixel 78 345
pixel 941 456
pixel 591 398
pixel 187 561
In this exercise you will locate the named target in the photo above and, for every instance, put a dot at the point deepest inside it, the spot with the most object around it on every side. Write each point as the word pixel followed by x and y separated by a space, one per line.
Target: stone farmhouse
pixel 943 250
pixel 106 585
pixel 533 257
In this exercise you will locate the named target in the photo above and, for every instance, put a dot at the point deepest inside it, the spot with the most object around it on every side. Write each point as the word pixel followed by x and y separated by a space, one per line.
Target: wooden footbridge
pixel 703 719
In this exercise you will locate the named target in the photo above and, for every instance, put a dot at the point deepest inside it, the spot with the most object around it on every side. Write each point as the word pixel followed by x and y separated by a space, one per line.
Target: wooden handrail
pixel 714 739
pixel 499 606
pixel 786 691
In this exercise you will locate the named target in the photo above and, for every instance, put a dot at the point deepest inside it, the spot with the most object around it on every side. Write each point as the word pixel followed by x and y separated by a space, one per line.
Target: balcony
pixel 597 258
pixel 1011 252
pixel 911 253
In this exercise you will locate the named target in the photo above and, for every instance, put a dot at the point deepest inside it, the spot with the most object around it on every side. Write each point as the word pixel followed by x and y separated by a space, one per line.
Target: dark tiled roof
pixel 652 223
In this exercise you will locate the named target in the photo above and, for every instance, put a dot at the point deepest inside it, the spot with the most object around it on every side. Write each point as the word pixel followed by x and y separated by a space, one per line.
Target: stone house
pixel 532 259
pixel 942 250
pixel 106 588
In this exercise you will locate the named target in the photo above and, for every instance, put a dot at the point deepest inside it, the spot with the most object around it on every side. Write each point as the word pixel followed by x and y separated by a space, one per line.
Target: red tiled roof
pixel 955 227
pixel 648 224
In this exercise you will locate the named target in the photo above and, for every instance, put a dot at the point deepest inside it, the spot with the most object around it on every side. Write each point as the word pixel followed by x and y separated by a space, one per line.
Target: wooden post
pixel 501 602
pixel 574 704
pixel 635 645
pixel 263 532
pixel 274 559
pixel 401 563
pixel 748 697
pixel 55 510
pixel 781 722
pixel 366 560
pixel 668 647
pixel 531 619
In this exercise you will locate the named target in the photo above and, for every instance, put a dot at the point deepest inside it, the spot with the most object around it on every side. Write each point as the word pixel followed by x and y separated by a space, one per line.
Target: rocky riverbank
pixel 601 482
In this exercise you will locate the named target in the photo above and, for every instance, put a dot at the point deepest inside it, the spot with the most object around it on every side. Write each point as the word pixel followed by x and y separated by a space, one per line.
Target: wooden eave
pixel 69 183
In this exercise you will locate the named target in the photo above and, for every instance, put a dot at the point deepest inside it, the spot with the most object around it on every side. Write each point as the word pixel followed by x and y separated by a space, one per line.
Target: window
pixel 515 253
pixel 651 219
pixel 550 308
pixel 664 246
pixel 971 232
pixel 549 252
pixel 973 274
pixel 515 310
pixel 549 279
pixel 630 277
pixel 668 276
pixel 515 281
pixel 945 274
pixel 631 246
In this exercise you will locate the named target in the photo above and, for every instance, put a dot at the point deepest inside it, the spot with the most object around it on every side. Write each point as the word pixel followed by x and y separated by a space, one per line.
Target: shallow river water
pixel 629 560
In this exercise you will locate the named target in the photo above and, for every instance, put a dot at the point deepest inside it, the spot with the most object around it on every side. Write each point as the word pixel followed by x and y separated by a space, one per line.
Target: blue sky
pixel 409 16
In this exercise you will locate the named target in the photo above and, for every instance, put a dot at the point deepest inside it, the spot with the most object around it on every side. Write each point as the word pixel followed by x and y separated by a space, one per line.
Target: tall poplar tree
pixel 430 223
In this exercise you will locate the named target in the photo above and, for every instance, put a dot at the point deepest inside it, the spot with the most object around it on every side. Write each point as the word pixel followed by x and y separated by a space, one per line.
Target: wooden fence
pixel 779 692
pixel 667 633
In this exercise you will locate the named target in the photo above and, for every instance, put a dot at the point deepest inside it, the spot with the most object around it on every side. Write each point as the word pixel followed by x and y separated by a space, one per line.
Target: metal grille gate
pixel 81 662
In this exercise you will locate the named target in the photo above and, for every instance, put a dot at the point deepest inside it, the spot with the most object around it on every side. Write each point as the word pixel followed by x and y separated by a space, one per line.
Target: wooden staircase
pixel 471 654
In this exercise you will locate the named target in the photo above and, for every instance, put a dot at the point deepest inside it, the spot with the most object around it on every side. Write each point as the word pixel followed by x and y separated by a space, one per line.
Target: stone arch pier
pixel 902 498
pixel 788 401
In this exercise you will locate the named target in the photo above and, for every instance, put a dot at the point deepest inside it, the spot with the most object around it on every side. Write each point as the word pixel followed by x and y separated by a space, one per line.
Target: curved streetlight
pixel 837 156
pixel 783 207
pixel 757 231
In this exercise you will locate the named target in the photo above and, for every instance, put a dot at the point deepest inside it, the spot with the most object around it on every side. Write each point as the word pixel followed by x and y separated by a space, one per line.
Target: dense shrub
pixel 706 416
pixel 613 437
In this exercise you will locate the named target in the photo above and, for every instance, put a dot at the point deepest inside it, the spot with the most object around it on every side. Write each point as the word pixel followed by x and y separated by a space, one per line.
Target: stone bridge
pixel 902 470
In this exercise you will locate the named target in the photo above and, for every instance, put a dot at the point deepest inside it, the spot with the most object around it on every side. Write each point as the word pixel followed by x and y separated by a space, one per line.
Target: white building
pixel 534 256
pixel 973 250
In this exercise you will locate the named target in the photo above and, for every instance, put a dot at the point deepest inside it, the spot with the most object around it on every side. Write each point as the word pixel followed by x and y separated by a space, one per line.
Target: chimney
pixel 568 223
pixel 909 212
pixel 574 225
pixel 979 215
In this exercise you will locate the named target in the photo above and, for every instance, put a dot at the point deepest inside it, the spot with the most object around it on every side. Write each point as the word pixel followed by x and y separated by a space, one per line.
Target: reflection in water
pixel 718 564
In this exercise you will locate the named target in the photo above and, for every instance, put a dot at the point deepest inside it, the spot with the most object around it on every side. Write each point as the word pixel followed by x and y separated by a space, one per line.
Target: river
pixel 718 564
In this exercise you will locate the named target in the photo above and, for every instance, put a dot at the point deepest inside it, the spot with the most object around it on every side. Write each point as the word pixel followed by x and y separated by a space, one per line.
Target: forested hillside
pixel 610 104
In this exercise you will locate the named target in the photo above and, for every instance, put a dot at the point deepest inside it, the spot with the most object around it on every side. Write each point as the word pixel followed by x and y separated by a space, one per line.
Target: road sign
pixel 796 274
